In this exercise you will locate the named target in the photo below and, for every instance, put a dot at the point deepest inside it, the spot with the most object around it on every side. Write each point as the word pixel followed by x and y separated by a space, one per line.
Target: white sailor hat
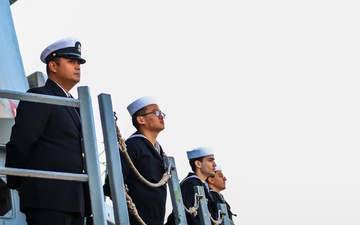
pixel 66 48
pixel 218 168
pixel 141 103
pixel 199 152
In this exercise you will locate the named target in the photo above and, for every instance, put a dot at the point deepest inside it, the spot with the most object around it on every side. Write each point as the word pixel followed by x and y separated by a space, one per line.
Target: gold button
pixel 83 171
pixel 83 155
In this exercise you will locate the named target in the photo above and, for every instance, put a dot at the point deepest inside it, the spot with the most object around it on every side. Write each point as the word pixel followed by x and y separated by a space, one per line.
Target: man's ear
pixel 52 66
pixel 140 119
pixel 197 163
pixel 210 180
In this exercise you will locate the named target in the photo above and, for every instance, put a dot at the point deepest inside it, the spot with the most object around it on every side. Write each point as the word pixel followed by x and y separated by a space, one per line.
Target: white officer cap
pixel 67 48
pixel 218 168
pixel 199 152
pixel 141 103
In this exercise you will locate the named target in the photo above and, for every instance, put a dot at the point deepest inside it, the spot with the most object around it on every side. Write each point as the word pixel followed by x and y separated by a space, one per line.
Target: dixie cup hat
pixel 199 152
pixel 141 103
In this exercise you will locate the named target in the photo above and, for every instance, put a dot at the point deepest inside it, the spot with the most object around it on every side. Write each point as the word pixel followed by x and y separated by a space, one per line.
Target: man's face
pixel 151 121
pixel 219 180
pixel 208 165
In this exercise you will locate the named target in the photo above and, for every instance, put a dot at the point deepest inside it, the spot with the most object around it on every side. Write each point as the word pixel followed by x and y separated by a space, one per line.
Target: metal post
pixel 225 221
pixel 175 192
pixel 91 156
pixel 203 211
pixel 113 165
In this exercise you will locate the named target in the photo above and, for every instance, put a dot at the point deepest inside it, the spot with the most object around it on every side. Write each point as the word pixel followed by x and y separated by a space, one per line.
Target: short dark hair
pixel 192 163
pixel 209 177
pixel 135 115
pixel 56 60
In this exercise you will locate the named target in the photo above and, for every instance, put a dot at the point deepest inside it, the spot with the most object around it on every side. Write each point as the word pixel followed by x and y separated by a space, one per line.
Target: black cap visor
pixel 70 55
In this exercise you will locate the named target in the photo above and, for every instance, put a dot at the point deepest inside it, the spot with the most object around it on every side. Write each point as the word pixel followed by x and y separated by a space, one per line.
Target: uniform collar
pixel 67 94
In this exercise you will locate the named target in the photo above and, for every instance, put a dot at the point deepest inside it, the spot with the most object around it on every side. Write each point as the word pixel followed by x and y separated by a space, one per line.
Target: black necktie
pixel 76 109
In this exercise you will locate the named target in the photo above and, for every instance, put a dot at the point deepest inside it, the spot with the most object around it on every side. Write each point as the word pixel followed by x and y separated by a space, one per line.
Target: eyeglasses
pixel 156 112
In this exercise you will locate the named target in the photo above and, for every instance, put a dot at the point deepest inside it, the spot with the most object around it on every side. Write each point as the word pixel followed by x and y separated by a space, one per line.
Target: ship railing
pixel 93 176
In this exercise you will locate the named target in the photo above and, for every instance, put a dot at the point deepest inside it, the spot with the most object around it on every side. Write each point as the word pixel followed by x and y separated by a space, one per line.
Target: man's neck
pixel 214 189
pixel 151 136
pixel 201 175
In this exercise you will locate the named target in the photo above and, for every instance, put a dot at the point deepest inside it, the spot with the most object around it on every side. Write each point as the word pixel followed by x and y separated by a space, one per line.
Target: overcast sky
pixel 272 86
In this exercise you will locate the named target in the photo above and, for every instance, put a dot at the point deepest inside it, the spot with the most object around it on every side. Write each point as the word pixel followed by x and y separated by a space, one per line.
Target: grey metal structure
pixel 12 73
pixel 114 169
pixel 175 192
pixel 10 208
pixel 225 219
pixel 91 151
pixel 91 154
pixel 204 211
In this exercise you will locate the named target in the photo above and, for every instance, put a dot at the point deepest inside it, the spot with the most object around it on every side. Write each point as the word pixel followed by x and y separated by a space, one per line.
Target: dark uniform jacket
pixel 187 191
pixel 48 137
pixel 150 202
pixel 219 198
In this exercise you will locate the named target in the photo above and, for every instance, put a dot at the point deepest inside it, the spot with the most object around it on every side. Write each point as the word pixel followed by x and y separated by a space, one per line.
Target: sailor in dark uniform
pixel 202 162
pixel 49 137
pixel 216 184
pixel 147 155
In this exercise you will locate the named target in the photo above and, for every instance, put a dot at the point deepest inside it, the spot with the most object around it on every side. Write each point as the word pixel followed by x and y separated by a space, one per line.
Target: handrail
pixel 91 151
pixel 44 174
pixel 32 97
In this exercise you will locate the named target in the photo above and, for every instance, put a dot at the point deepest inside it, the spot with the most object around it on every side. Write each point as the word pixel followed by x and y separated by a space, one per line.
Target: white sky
pixel 272 86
